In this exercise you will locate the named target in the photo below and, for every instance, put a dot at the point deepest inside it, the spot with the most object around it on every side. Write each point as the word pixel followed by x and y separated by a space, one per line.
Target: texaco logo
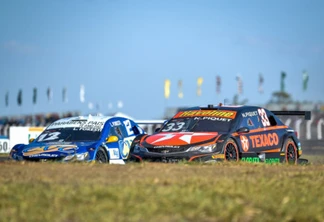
pixel 245 143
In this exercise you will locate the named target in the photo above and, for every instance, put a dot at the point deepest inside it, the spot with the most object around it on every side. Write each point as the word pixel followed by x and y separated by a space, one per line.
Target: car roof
pixel 237 108
pixel 75 121
pixel 86 118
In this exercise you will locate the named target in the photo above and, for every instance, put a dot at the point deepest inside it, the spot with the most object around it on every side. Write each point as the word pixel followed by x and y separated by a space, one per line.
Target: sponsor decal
pixel 167 147
pixel 264 140
pixel 245 143
pixel 213 113
pixel 114 153
pixel 126 144
pixel 250 122
pixel 179 138
pixel 250 114
pixel 79 125
pixel 272 160
pixel 218 156
pixel 257 160
pixel 38 151
pixel 250 159
pixel 92 126
pixel 44 155
pixel 212 118
pixel 115 123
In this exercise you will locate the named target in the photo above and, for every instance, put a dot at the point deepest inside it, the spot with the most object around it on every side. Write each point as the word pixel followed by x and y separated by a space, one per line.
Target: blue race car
pixel 85 138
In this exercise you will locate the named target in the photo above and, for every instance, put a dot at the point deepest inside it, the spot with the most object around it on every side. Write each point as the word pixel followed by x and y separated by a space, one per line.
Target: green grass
pixel 161 192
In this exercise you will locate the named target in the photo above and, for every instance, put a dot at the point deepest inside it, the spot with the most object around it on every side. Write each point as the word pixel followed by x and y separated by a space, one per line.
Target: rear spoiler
pixel 306 114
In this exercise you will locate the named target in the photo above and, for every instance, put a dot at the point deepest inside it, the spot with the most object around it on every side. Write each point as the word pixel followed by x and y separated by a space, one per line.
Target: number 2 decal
pixel 128 126
pixel 264 118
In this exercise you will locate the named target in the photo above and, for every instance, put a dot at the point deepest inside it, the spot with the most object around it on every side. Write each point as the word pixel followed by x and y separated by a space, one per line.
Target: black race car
pixel 222 133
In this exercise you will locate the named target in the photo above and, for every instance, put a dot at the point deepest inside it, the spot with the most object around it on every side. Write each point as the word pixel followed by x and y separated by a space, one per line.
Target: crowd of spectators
pixel 38 120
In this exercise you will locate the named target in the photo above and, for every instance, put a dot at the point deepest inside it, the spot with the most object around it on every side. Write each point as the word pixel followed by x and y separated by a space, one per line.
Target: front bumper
pixel 55 157
pixel 176 157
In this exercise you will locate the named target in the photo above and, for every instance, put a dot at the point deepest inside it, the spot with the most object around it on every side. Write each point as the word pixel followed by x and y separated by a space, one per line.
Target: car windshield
pixel 197 124
pixel 68 135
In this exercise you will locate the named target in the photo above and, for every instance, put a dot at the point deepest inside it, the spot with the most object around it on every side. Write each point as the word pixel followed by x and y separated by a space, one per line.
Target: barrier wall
pixel 4 144
pixel 22 134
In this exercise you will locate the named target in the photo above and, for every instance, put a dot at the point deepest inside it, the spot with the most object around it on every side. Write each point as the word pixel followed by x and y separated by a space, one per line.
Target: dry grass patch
pixel 155 192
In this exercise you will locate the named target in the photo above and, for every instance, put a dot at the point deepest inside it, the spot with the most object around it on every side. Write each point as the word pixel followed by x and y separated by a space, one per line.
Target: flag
pixel 7 99
pixel 218 84
pixel 261 80
pixel 305 80
pixel 282 82
pixel 64 96
pixel 180 93
pixel 167 84
pixel 90 105
pixel 19 97
pixel 200 81
pixel 239 84
pixel 34 95
pixel 82 93
pixel 49 94
pixel 120 104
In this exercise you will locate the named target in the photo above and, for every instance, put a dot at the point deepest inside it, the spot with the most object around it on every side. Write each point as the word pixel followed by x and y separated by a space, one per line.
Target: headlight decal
pixel 203 148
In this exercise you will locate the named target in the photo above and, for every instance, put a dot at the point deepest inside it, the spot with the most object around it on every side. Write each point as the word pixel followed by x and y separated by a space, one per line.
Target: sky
pixel 122 51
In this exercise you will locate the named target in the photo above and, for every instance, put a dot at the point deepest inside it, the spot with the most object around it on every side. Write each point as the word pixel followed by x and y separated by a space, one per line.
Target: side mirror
pixel 31 140
pixel 112 139
pixel 243 130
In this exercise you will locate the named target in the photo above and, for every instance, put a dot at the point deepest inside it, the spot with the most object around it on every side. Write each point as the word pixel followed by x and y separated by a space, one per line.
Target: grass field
pixel 162 192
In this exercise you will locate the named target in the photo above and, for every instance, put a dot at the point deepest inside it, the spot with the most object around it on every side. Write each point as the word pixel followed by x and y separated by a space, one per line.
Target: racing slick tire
pixel 101 156
pixel 231 152
pixel 290 151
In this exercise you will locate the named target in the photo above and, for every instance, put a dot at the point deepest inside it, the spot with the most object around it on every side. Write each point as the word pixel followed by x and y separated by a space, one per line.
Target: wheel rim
pixel 101 157
pixel 231 152
pixel 291 153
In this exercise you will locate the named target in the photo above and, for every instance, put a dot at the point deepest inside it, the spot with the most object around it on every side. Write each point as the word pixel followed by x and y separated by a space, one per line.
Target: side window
pixel 250 122
pixel 251 119
pixel 272 119
pixel 115 131
pixel 118 132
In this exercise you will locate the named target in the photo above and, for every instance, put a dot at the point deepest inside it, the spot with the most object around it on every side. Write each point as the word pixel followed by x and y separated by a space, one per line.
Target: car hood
pixel 53 150
pixel 178 139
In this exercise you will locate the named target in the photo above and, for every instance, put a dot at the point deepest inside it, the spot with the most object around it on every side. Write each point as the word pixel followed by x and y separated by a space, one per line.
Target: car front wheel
pixel 101 156
pixel 231 151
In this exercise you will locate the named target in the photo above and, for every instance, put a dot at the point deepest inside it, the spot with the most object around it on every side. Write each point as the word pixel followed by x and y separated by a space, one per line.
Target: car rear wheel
pixel 231 151
pixel 290 151
pixel 101 156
